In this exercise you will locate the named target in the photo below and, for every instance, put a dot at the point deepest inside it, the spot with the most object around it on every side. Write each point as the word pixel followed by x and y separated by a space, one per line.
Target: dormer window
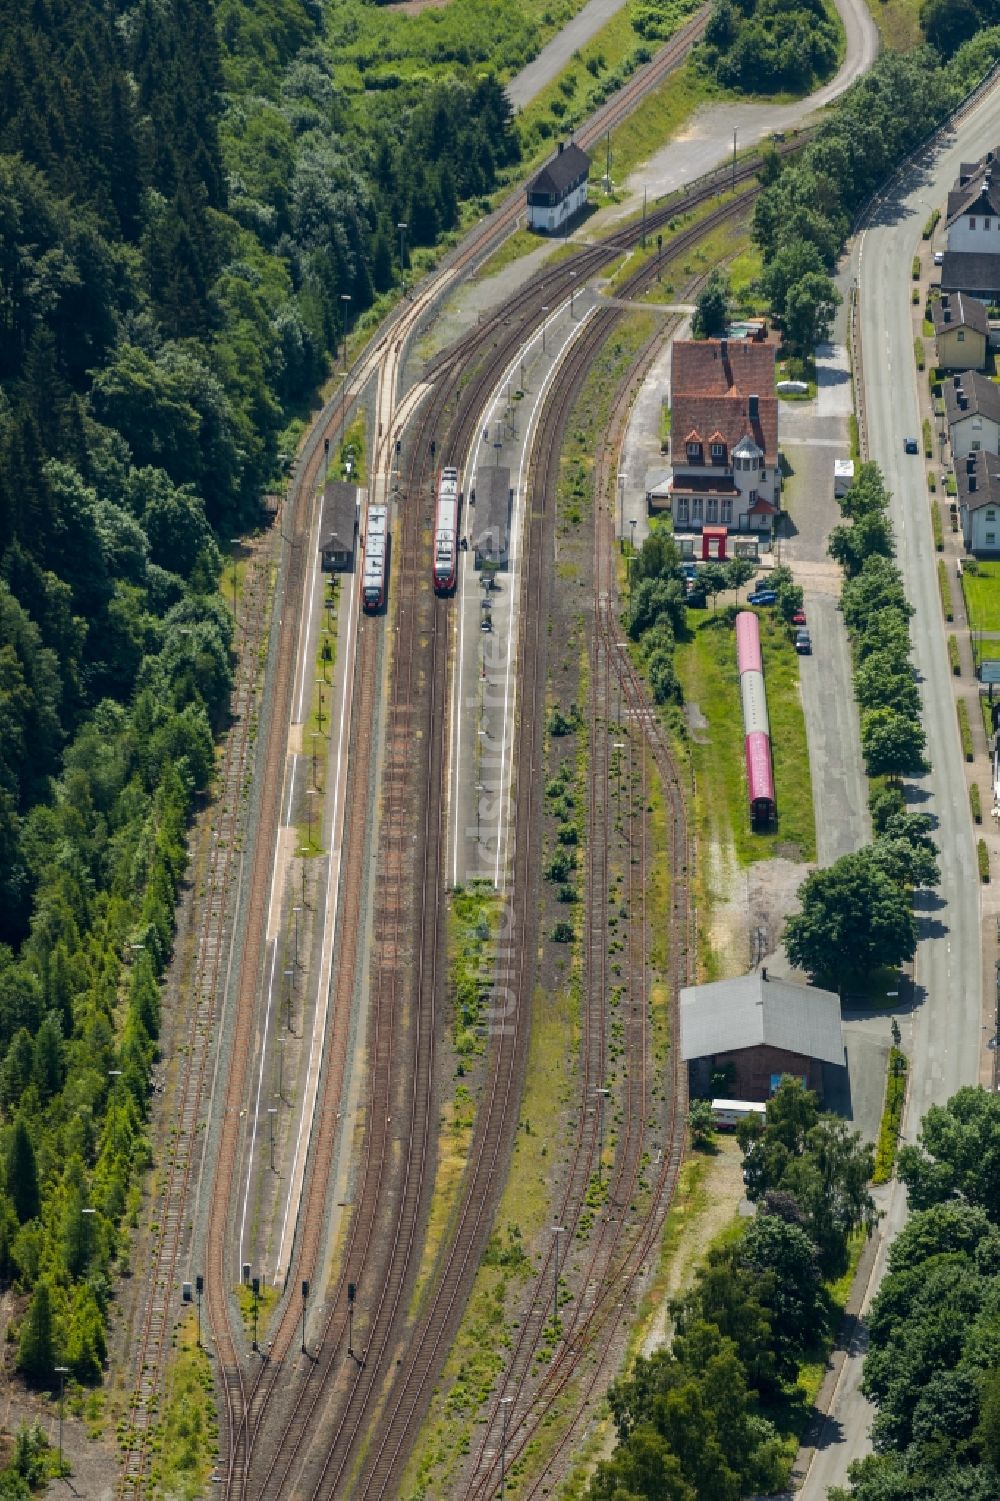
pixel 694 453
pixel 718 452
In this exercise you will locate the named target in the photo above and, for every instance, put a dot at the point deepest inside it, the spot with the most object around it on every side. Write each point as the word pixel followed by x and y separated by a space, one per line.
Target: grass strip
pixel 944 589
pixel 892 1116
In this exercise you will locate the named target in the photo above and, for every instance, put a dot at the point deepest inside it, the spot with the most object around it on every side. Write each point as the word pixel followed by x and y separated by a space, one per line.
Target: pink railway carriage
pixel 756 727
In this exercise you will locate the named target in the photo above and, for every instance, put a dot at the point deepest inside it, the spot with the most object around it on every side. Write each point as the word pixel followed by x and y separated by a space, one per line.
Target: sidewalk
pixel 978 772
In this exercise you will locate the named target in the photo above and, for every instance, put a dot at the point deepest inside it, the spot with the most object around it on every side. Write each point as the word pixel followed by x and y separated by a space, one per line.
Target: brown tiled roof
pixel 711 382
pixel 716 367
pixel 728 416
pixel 971 394
pixel 956 310
pixel 984 469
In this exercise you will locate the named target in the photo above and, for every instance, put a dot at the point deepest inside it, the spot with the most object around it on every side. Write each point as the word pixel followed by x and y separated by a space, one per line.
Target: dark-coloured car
pixel 803 643
pixel 762 597
pixel 910 445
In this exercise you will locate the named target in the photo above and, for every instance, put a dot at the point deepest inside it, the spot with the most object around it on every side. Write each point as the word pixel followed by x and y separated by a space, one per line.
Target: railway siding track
pixel 227 814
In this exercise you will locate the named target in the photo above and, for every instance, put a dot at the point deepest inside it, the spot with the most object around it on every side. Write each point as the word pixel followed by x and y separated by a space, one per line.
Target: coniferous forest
pixel 185 197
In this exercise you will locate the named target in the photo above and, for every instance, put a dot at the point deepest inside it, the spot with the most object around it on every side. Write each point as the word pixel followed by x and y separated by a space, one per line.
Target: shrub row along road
pixel 943 1031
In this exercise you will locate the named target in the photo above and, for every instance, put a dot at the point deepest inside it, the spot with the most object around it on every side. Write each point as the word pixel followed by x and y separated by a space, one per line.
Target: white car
pixel 938 257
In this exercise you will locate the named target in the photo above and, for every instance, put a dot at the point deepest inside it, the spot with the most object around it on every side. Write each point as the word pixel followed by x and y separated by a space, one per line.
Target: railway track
pixel 196 1042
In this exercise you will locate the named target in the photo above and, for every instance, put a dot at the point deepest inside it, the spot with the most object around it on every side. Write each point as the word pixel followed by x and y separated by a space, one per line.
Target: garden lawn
pixel 982 597
pixel 706 666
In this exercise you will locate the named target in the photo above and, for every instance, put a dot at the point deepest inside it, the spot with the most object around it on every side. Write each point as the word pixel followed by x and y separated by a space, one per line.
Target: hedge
pixel 944 587
pixel 931 224
pixel 892 1116
pixel 936 527
pixel 965 729
pixel 916 268
pixel 928 432
pixel 984 861
pixel 976 804
pixel 954 656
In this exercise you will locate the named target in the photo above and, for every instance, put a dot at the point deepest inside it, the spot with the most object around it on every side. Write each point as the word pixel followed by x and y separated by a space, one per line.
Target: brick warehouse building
pixel 758 1028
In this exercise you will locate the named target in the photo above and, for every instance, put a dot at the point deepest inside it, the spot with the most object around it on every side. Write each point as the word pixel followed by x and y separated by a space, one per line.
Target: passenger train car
pixel 756 727
pixel 446 516
pixel 373 577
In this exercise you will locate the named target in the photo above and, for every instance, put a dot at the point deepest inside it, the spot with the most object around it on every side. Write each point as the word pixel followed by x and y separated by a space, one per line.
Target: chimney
pixel 724 348
pixel 958 382
pixel 963 402
pixel 753 408
pixel 972 484
pixel 970 465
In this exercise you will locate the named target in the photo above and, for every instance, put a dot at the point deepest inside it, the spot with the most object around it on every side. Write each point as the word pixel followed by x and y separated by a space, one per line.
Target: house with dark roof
pixel 978 479
pixel 961 331
pixel 559 190
pixel 972 411
pixel 338 526
pixel 972 218
pixel 724 436
pixel 756 1029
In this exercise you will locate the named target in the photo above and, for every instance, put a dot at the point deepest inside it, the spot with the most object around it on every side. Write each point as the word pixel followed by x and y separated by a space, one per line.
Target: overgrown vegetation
pixel 706 1418
pixel 472 930
pixel 767 47
pixel 892 1116
pixel 931 1368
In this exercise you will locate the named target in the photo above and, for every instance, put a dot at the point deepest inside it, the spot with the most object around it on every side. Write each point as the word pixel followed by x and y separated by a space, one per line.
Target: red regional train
pixel 449 499
pixel 756 728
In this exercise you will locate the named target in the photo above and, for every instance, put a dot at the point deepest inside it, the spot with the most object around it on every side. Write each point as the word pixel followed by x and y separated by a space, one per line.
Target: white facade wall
pixel 973 433
pixel 981 529
pixel 547 218
pixel 975 233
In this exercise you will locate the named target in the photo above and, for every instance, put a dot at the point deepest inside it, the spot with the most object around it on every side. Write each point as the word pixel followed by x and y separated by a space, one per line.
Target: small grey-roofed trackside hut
pixel 338 526
pixel 559 190
pixel 760 1028
pixel 491 524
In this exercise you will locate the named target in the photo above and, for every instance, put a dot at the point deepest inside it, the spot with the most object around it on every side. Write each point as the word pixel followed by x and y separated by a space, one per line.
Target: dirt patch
pixel 414 7
pixel 773 888
pixel 710 1207
pixel 728 895
pixel 696 722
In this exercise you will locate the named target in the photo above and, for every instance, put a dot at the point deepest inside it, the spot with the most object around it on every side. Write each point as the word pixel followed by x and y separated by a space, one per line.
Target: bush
pixel 965 729
pixel 915 268
pixel 936 527
pixel 976 804
pixel 920 355
pixel 931 224
pixel 915 297
pixel 562 932
pixel 954 656
pixel 984 861
pixel 928 432
pixel 944 588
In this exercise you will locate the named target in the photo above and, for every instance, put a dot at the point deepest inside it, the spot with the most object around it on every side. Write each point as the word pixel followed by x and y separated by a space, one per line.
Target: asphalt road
pixel 941 1031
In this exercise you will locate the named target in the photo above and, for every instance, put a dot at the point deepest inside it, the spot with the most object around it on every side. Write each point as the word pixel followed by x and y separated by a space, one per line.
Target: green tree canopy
pixel 853 919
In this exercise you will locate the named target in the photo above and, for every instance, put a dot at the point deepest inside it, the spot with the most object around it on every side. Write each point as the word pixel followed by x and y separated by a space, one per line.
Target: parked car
pixel 939 257
pixel 799 618
pixel 910 445
pixel 762 597
pixel 803 643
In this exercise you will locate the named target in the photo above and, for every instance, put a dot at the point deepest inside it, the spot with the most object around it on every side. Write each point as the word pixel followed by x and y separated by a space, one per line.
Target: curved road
pixel 942 1033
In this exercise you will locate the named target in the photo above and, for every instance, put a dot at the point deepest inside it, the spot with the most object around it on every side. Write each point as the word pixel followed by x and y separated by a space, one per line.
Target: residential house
pixel 756 1029
pixel 338 526
pixel 978 478
pixel 972 411
pixel 971 262
pixel 559 190
pixel 724 436
pixel 961 331
pixel 491 528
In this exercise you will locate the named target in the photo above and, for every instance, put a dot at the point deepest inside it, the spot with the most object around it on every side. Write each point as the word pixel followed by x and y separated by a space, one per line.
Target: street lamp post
pixel 62 1371
pixel 311 792
pixel 255 1290
pixel 505 1404
pixel 272 1111
pixel 572 292
pixel 557 1230
pixel 295 914
pixel 305 1299
pixel 303 852
pixel 545 319
pixel 289 973
pixel 621 510
pixel 402 246
pixel 199 1287
pixel 602 1094
pixel 345 298
pixel 281 1068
